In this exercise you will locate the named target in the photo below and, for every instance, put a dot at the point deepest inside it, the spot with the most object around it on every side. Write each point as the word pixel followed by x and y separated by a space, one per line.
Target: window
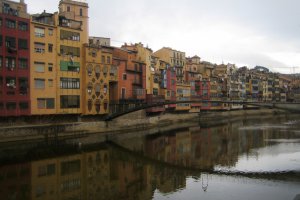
pixel 10 63
pixel 155 91
pixel 68 8
pixel 23 105
pixel 123 93
pixel 97 71
pixel 69 83
pixel 50 48
pixel 39 47
pixel 97 89
pixel 105 70
pixel 39 32
pixel 69 35
pixel 45 103
pixel 39 83
pixel 70 101
pixel 124 77
pixel 10 23
pixel 103 59
pixel 67 50
pixel 11 105
pixel 10 42
pixel 50 31
pixel 50 82
pixel 23 26
pixel 23 63
pixel 39 67
pixel 11 82
pixel 50 67
pixel 23 44
pixel 23 86
pixel 80 12
pixel 90 70
pixel 105 89
pixel 108 59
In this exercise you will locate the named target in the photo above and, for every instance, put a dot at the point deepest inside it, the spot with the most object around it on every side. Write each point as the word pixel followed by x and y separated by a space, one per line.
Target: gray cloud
pixel 240 31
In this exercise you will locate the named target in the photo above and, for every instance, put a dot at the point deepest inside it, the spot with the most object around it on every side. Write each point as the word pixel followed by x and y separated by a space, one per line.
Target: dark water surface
pixel 246 159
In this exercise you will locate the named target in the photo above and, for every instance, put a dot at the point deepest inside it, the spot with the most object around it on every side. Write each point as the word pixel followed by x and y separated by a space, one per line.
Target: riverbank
pixel 135 122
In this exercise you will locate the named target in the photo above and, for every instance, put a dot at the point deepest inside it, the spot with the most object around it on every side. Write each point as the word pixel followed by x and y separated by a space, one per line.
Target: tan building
pixel 98 72
pixel 43 71
pixel 175 58
pixel 72 34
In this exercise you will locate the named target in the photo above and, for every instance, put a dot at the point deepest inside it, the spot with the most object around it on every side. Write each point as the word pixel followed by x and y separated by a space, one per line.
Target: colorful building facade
pixel 43 75
pixel 72 34
pixel 14 59
pixel 97 74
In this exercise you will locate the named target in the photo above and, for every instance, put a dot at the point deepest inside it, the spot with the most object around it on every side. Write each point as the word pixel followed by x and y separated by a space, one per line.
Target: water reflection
pixel 237 146
pixel 164 166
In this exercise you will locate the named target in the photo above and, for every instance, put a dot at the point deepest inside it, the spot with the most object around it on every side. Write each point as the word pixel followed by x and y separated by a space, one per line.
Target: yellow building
pixel 175 58
pixel 43 71
pixel 58 178
pixel 98 72
pixel 44 179
pixel 72 32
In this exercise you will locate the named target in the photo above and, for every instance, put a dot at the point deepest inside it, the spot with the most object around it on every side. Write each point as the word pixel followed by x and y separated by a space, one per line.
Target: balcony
pixel 135 68
pixel 139 94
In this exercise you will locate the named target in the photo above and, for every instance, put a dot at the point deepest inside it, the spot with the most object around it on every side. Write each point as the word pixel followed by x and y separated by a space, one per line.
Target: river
pixel 244 159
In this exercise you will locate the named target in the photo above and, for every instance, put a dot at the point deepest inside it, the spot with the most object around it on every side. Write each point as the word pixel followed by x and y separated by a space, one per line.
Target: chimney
pixel 22 1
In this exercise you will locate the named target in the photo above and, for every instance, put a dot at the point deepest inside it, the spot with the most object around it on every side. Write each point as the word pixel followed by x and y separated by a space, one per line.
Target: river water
pixel 245 159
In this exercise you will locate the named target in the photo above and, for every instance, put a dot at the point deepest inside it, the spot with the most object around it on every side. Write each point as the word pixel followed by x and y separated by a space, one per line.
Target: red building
pixel 14 59
pixel 171 86
pixel 203 90
pixel 131 86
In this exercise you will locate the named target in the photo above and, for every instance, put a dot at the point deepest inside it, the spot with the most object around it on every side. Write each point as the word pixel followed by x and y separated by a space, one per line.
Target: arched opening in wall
pixel 90 105
pixel 105 89
pixel 105 70
pixel 90 88
pixel 97 71
pixel 97 105
pixel 105 105
pixel 90 70
pixel 97 89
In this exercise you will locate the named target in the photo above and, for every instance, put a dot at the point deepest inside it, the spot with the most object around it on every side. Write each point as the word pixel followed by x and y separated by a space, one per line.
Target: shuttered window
pixel 39 32
pixel 39 83
pixel 39 67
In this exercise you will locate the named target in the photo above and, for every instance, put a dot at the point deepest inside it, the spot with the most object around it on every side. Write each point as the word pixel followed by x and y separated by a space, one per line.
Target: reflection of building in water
pixel 98 184
pixel 132 178
pixel 15 181
pixel 168 180
pixel 183 148
pixel 201 149
pixel 58 178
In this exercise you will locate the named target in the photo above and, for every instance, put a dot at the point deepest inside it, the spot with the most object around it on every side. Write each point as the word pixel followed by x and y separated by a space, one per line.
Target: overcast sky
pixel 244 32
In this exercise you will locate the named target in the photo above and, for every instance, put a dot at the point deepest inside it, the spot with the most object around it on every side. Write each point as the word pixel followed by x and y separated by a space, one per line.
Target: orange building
pixel 132 77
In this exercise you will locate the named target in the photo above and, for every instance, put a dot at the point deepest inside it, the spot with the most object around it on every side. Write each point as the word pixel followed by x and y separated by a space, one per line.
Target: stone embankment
pixel 136 122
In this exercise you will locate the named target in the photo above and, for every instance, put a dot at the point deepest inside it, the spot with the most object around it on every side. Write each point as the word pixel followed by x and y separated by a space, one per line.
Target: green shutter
pixel 63 65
